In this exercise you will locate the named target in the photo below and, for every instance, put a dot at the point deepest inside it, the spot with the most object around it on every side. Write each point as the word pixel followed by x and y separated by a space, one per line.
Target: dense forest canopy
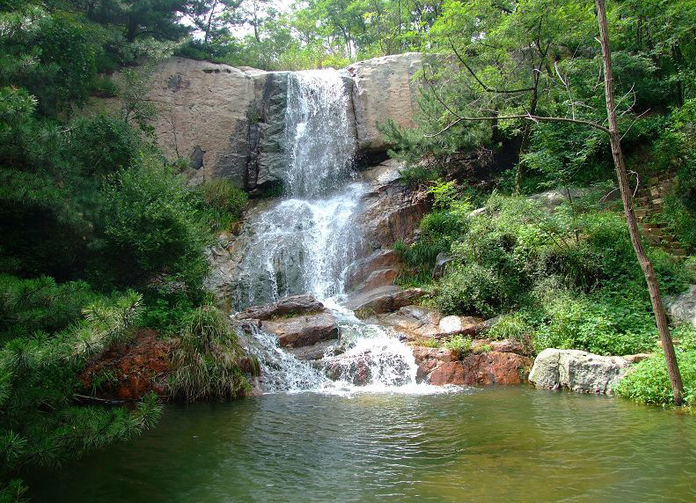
pixel 102 236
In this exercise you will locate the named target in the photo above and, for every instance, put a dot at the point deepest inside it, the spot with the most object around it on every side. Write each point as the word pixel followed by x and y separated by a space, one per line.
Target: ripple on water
pixel 478 445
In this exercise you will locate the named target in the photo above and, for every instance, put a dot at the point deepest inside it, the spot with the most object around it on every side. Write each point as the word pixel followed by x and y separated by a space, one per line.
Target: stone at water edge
pixel 577 371
pixel 486 369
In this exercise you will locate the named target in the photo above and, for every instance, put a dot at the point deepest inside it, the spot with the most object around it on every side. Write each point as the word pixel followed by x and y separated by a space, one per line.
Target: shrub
pixel 207 361
pixel 472 289
pixel 648 382
pixel 604 325
pixel 151 228
pixel 512 326
pixel 459 345
pixel 223 202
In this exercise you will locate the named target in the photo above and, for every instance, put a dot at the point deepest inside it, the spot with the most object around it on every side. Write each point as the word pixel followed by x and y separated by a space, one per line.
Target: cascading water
pixel 305 243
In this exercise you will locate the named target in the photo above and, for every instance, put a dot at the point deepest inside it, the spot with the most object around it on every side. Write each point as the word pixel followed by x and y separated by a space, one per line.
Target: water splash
pixel 305 244
pixel 301 246
pixel 320 138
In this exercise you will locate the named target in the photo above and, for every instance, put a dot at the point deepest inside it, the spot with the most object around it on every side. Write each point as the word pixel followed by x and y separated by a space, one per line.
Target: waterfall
pixel 305 243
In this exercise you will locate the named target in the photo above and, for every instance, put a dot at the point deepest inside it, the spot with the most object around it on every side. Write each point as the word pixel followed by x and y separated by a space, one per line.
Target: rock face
pixel 391 211
pixel 384 90
pixel 682 308
pixel 439 367
pixel 204 112
pixel 420 323
pixel 230 122
pixel 577 371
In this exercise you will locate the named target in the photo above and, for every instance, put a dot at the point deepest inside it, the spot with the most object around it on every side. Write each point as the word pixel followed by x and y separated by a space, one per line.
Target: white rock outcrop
pixel 577 371
pixel 384 90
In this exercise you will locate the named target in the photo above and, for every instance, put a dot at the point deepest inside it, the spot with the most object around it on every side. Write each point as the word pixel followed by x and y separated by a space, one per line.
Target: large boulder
pixel 682 308
pixel 297 321
pixel 384 91
pixel 577 371
pixel 303 330
pixel 417 323
pixel 294 305
pixel 384 299
pixel 440 367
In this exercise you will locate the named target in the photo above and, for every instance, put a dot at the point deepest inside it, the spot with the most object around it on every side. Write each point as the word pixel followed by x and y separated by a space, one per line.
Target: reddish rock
pixel 128 371
pixel 440 367
pixel 449 373
pixel 496 368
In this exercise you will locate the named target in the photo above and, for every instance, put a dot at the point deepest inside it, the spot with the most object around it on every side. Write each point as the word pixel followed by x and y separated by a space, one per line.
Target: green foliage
pixel 207 361
pixel 458 345
pixel 648 381
pixel 605 325
pixel 437 232
pixel 512 326
pixel 151 228
pixel 676 146
pixel 224 201
pixel 40 425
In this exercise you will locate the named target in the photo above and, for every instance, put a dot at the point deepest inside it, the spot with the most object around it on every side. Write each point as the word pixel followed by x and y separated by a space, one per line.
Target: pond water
pixel 497 444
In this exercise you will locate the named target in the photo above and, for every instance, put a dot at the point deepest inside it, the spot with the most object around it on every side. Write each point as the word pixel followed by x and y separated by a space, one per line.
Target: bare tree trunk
pixel 627 198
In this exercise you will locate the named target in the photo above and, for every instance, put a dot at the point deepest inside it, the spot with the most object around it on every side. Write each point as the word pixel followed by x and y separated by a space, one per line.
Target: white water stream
pixel 305 243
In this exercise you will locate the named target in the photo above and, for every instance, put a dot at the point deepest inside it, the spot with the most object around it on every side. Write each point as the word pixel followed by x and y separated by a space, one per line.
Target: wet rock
pixel 682 308
pixel 360 271
pixel 428 359
pixel 577 371
pixel 496 368
pixel 448 373
pixel 441 367
pixel 302 330
pixel 316 351
pixel 293 305
pixel 384 299
pixel 384 91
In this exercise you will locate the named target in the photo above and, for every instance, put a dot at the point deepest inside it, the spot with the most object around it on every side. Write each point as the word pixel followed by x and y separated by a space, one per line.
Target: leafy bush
pixel 512 326
pixel 648 382
pixel 151 228
pixel 604 325
pixel 208 359
pixel 223 201
pixel 472 289
pixel 459 345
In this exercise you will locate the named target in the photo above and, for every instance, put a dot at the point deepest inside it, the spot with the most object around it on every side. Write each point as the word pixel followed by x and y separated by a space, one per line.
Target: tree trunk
pixel 627 198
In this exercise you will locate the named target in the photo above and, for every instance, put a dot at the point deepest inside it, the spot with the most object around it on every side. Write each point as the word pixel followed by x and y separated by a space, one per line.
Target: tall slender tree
pixel 627 198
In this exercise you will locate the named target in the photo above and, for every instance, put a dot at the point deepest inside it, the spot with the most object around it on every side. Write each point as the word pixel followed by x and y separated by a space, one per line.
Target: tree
pixel 627 198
